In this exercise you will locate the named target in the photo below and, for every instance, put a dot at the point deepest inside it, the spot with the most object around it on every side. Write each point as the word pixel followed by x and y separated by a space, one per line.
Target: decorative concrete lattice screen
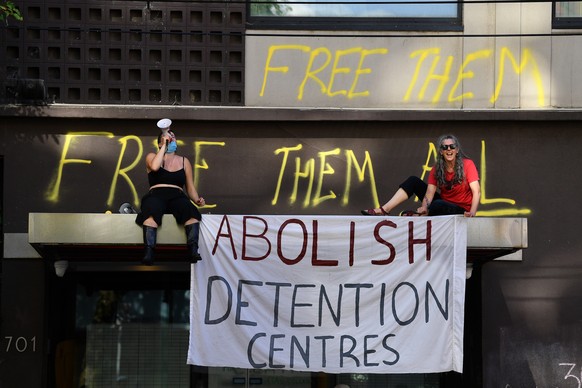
pixel 125 52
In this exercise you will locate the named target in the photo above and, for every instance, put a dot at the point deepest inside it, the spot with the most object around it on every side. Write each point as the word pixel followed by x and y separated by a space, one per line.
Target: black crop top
pixel 163 176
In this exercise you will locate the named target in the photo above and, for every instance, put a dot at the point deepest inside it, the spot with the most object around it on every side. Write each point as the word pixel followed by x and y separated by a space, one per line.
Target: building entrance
pixel 131 329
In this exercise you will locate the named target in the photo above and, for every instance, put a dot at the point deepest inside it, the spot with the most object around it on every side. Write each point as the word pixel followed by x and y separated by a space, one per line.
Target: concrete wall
pixel 504 59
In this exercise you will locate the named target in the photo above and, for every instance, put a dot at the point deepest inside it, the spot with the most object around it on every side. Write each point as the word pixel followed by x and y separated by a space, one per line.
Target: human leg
pixel 192 233
pixel 149 240
pixel 440 207
pixel 150 217
pixel 384 210
pixel 412 185
pixel 188 215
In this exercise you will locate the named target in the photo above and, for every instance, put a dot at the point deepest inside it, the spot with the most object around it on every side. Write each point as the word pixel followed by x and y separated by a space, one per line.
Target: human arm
pixel 154 160
pixel 427 200
pixel 476 191
pixel 472 176
pixel 190 189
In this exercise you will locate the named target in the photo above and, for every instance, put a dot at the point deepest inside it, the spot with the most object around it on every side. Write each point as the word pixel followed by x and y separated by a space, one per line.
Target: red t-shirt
pixel 459 194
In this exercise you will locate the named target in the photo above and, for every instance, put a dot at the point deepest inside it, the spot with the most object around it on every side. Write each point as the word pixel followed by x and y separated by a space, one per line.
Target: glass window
pixel 355 14
pixel 133 331
pixel 133 337
pixel 567 14
pixel 568 9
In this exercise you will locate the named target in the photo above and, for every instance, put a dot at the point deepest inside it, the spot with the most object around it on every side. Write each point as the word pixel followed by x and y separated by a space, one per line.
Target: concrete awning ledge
pixel 96 237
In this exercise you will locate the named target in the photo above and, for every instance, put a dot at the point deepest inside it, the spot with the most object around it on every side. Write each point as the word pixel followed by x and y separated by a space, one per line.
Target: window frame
pixel 568 22
pixel 356 23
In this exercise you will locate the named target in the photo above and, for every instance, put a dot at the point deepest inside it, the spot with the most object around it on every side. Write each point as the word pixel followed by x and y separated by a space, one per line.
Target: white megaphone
pixel 164 125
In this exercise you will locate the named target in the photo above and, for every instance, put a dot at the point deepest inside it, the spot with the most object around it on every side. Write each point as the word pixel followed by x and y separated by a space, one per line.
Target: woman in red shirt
pixel 454 175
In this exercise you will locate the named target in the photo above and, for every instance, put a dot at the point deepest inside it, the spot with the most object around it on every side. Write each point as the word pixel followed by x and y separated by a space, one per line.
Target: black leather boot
pixel 149 239
pixel 192 232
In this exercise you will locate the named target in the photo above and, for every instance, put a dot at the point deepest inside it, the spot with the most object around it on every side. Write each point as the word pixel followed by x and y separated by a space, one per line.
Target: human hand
pixel 469 214
pixel 422 211
pixel 166 138
pixel 201 202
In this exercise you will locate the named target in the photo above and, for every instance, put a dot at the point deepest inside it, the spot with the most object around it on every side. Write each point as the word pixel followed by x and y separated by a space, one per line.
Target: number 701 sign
pixel 19 344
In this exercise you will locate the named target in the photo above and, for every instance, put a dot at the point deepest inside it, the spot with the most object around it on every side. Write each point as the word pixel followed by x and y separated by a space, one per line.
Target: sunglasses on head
pixel 445 147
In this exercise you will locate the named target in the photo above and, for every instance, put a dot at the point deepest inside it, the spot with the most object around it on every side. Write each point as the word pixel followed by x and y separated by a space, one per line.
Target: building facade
pixel 283 109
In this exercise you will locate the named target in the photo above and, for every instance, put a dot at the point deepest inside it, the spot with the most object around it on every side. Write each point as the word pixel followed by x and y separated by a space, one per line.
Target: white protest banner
pixel 336 294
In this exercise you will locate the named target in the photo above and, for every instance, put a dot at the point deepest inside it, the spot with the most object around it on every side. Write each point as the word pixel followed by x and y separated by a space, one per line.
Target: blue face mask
pixel 172 147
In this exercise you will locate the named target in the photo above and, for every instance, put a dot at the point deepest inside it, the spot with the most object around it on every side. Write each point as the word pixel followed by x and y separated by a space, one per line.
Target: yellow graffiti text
pixel 441 79
pixel 444 78
pixel 335 73
pixel 433 56
pixel 511 211
pixel 315 73
pixel 285 151
pixel 315 170
pixel 346 70
pixel 122 172
pixel 201 164
pixel 307 171
pixel 73 139
pixel 483 54
pixel 518 68
pixel 326 169
pixel 361 174
pixel 312 74
pixel 70 139
pixel 279 69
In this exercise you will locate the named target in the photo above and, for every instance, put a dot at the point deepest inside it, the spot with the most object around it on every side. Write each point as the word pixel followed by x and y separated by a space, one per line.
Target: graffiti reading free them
pixel 358 168
pixel 324 67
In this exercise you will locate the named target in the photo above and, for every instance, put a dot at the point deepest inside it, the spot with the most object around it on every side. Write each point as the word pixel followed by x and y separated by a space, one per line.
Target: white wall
pixel 494 66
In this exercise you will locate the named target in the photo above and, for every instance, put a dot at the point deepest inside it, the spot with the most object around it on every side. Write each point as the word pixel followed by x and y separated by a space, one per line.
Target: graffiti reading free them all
pixel 313 172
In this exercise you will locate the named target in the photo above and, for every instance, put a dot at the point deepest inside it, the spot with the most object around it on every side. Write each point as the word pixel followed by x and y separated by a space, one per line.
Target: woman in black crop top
pixel 171 191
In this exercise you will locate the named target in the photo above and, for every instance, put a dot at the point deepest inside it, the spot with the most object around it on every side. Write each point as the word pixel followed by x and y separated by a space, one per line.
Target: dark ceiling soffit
pixel 283 114
pixel 117 253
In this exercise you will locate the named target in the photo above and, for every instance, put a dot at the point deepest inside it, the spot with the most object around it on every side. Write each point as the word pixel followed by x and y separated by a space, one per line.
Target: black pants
pixel 415 186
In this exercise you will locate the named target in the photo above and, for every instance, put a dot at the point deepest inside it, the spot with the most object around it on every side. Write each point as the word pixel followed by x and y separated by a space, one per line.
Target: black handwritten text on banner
pixel 329 293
